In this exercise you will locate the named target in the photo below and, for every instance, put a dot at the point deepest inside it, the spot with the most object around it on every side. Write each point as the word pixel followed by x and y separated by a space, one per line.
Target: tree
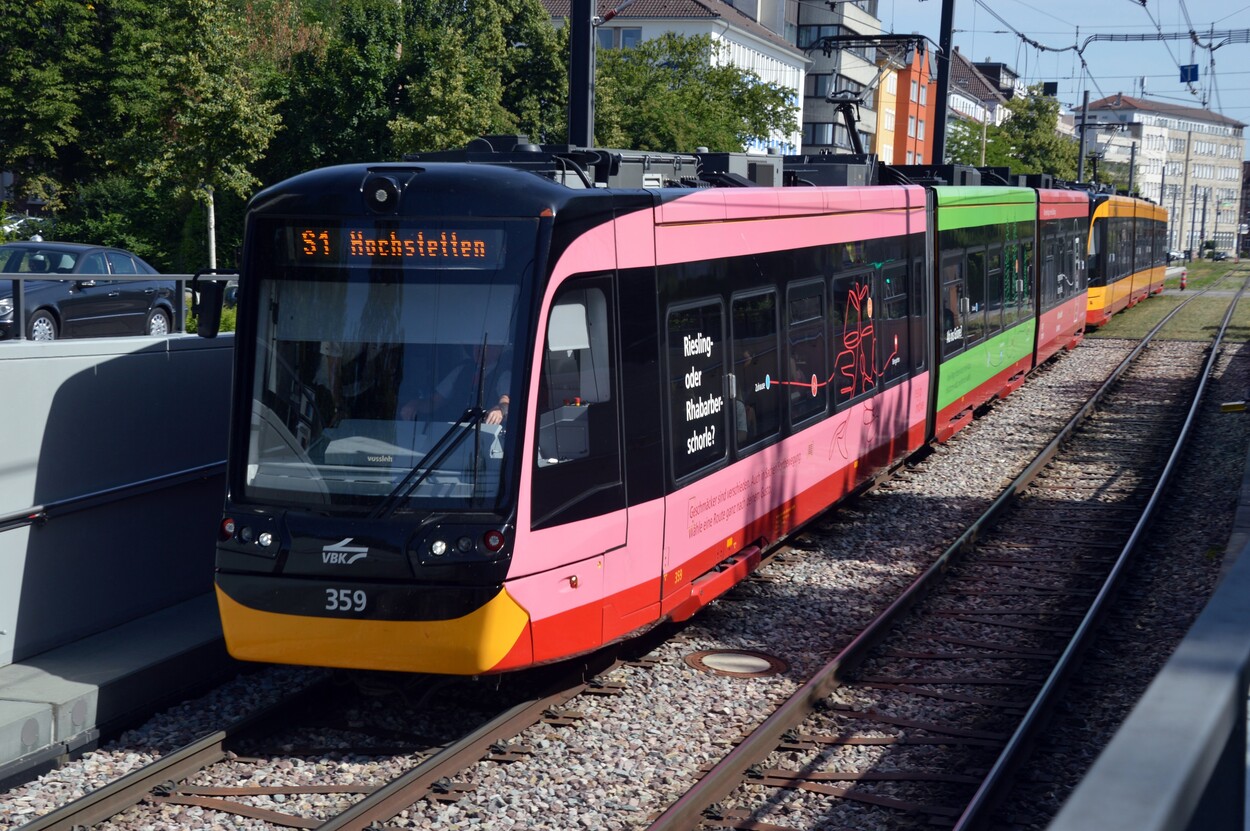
pixel 454 60
pixel 1029 140
pixel 48 51
pixel 674 93
pixel 216 122
pixel 964 143
pixel 335 92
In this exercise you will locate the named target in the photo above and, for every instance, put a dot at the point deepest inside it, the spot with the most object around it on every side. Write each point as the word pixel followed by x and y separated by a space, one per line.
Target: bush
pixel 228 317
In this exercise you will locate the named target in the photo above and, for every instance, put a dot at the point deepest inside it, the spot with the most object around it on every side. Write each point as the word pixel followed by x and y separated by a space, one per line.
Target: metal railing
pixel 1179 760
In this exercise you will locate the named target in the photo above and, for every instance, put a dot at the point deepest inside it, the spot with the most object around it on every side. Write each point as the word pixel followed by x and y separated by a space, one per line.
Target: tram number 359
pixel 345 600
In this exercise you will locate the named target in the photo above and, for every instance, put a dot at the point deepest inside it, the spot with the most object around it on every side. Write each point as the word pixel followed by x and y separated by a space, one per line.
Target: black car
pixel 1219 255
pixel 79 299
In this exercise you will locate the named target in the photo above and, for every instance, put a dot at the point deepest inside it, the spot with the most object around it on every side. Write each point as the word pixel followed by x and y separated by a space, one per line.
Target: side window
pixel 577 471
pixel 974 298
pixel 892 325
pixel 93 263
pixel 755 387
pixel 952 304
pixel 1019 266
pixel 806 355
pixel 1096 273
pixel 854 338
pixel 696 386
pixel 994 291
pixel 919 311
pixel 1078 237
pixel 120 263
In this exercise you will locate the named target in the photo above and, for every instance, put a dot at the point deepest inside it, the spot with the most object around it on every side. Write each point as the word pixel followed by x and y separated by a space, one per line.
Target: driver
pixel 457 391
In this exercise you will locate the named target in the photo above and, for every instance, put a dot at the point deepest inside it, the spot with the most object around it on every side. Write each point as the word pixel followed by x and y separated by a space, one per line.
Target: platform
pixel 61 701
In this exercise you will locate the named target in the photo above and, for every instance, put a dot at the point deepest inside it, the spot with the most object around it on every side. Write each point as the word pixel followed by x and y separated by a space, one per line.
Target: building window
pixel 818 132
pixel 911 126
pixel 920 129
pixel 914 86
pixel 924 94
pixel 891 84
pixel 618 38
pixel 810 36
pixel 817 86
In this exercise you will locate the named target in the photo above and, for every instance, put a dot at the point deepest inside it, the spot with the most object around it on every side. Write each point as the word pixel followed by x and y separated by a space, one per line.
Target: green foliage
pixel 672 93
pixel 455 54
pixel 216 122
pixel 47 53
pixel 964 142
pixel 1028 141
pixel 229 316
pixel 131 117
pixel 119 211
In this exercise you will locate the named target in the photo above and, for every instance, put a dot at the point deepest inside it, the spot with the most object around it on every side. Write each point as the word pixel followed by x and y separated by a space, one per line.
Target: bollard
pixel 1184 278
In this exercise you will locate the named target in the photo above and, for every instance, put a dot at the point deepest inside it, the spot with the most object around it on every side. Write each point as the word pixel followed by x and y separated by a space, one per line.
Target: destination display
pixel 475 248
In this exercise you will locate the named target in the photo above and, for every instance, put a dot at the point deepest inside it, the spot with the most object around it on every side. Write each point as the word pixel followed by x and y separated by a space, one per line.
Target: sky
pixel 990 30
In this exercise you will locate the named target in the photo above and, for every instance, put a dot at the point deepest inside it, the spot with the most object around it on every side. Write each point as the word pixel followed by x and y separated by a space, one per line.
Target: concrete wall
pixel 81 416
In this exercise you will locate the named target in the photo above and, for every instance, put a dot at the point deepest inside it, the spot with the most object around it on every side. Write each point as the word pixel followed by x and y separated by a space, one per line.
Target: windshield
pixel 361 373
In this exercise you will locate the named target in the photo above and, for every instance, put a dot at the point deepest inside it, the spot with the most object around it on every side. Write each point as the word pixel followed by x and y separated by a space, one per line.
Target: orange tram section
pixel 1127 254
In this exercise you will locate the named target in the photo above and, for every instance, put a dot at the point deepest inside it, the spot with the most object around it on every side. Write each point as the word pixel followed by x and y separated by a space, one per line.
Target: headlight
pixel 6 306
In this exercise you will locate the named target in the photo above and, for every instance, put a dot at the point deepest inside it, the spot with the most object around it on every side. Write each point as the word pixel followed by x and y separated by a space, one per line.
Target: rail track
pixel 853 704
pixel 230 753
pixel 923 718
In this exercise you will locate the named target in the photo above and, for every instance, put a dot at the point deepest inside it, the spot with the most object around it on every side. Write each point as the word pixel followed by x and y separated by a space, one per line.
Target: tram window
pixel 1019 266
pixel 951 302
pixel 893 323
pixel 1096 271
pixel 974 298
pixel 577 459
pixel 1050 267
pixel 1076 262
pixel 697 386
pixel 806 356
pixel 995 291
pixel 919 311
pixel 855 337
pixel 756 361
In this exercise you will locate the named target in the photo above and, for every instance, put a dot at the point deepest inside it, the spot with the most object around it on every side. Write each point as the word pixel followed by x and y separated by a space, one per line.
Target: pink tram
pixel 501 411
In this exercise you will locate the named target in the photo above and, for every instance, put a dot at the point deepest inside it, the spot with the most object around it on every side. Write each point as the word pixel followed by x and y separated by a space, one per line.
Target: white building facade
pixel 1187 159
pixel 746 42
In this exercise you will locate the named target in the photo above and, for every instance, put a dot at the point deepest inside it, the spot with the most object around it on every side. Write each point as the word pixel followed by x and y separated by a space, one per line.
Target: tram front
pixel 383 327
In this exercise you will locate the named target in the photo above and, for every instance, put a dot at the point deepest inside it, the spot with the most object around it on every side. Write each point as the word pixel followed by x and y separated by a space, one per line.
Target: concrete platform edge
pixel 61 702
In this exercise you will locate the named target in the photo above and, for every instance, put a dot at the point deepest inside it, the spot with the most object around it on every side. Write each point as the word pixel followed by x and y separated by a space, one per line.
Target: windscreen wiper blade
pixel 437 454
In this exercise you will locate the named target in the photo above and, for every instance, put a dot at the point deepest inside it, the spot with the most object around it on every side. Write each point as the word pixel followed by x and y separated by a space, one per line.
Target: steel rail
pixel 407 789
pixel 135 787
pixel 687 812
pixel 996 781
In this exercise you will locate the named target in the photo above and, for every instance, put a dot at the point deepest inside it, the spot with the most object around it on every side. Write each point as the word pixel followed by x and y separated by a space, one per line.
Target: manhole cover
pixel 737 663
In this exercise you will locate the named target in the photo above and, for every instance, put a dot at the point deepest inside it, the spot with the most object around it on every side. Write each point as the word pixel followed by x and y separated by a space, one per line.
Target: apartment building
pixel 1187 159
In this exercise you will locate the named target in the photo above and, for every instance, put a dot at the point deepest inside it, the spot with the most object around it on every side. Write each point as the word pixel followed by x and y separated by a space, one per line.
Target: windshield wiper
pixel 437 454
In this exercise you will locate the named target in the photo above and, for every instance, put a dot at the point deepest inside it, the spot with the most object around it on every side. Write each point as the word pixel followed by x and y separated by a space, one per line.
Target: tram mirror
pixel 206 306
pixel 566 328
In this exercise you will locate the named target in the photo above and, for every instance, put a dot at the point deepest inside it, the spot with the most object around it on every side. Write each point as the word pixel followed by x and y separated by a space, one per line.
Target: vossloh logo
pixel 343 553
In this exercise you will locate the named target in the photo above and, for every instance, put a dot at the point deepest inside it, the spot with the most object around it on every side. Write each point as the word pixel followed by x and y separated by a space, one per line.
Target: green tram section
pixel 984 252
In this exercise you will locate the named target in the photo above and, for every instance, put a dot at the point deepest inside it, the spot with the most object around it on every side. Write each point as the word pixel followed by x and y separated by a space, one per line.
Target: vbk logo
pixel 343 553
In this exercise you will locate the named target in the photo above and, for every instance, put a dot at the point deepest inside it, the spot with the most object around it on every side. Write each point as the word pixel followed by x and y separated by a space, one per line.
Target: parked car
pixel 1219 255
pixel 1175 255
pixel 80 300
